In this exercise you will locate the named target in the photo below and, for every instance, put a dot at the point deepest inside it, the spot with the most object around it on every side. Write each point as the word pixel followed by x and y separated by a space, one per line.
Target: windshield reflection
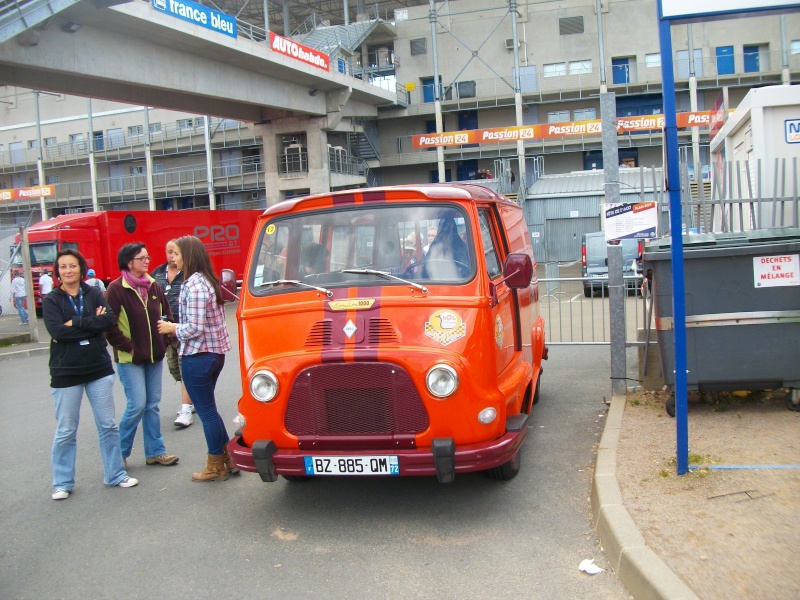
pixel 341 248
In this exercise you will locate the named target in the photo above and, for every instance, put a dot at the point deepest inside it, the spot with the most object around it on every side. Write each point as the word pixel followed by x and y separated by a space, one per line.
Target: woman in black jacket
pixel 76 316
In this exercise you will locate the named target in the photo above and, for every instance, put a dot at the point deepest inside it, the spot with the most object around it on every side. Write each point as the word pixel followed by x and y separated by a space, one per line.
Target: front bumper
pixel 444 459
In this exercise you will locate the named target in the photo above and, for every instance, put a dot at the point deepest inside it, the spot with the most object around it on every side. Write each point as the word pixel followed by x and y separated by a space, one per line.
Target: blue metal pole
pixel 676 231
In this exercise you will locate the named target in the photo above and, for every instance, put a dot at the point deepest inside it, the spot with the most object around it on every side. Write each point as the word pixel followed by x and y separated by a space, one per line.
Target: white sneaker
pixel 184 419
pixel 60 495
pixel 128 482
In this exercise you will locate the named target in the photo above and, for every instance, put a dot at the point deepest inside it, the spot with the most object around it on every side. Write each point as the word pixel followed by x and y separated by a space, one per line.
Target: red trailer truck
pixel 99 236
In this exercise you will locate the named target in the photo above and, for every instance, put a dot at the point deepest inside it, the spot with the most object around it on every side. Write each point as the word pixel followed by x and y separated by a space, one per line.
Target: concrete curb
pixel 645 575
pixel 11 352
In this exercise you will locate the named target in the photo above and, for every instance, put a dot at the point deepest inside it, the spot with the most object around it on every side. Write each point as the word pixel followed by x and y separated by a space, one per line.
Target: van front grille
pixel 355 399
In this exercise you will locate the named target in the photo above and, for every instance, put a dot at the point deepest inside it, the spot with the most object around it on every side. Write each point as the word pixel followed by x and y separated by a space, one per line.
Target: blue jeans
pixel 200 373
pixel 142 384
pixel 19 304
pixel 68 410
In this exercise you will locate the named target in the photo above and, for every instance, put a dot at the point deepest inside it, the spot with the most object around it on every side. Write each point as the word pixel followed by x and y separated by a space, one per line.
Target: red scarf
pixel 140 284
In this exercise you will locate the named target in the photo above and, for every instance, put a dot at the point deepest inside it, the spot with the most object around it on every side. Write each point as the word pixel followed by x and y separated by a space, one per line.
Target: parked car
pixel 594 262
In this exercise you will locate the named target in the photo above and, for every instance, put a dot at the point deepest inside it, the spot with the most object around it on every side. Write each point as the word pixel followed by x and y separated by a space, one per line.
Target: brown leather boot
pixel 215 469
pixel 232 469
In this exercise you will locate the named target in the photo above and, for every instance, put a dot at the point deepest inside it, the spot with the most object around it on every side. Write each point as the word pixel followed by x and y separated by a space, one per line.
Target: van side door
pixel 504 314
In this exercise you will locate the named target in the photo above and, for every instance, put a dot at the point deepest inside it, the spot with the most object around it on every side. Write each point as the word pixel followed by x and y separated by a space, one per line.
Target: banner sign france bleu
pixel 198 14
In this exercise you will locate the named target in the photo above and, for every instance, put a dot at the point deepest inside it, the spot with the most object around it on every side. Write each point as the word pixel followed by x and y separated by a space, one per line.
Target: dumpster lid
pixel 697 241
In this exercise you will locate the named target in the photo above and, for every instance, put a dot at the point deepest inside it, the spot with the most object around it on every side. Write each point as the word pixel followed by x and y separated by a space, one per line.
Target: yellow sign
pixel 352 304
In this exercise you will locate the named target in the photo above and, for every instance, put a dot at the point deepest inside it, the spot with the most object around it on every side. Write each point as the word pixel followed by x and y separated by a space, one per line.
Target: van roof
pixel 463 192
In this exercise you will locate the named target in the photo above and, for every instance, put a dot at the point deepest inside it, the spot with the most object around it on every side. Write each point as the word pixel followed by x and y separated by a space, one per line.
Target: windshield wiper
pixel 386 275
pixel 325 291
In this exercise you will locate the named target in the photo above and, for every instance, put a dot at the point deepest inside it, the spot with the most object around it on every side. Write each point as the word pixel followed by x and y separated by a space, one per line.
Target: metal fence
pixel 571 318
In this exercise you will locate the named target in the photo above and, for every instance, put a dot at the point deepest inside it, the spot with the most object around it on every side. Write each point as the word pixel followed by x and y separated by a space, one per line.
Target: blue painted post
pixel 676 231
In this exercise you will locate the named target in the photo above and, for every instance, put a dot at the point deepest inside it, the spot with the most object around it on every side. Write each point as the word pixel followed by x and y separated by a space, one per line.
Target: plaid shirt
pixel 202 327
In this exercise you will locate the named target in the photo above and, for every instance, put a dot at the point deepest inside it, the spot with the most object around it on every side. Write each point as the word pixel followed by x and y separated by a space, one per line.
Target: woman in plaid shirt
pixel 204 341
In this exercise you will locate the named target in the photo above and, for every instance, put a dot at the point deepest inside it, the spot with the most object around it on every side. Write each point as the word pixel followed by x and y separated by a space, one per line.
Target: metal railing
pixel 170 139
pixel 572 318
pixel 634 77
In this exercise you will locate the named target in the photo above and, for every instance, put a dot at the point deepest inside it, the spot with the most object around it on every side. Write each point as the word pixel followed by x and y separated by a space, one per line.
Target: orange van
pixel 388 331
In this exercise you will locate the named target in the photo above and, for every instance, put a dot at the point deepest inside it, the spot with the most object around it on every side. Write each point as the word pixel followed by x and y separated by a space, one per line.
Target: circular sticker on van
pixel 445 327
pixel 270 229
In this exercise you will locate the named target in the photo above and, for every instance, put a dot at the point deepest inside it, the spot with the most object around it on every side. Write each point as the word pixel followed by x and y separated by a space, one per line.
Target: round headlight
pixel 442 381
pixel 264 386
pixel 238 421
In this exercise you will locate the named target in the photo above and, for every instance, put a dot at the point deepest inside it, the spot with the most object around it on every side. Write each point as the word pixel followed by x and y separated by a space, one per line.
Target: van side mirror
pixel 227 283
pixel 518 270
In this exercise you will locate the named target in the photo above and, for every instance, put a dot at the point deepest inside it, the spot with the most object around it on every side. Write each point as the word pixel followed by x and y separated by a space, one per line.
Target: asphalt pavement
pixel 326 538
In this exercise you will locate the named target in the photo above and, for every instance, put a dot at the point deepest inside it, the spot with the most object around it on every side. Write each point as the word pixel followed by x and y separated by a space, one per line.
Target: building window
pixel 652 60
pixel 32 144
pixel 34 181
pixel 419 46
pixel 584 114
pixel 555 69
pixel 570 25
pixel 52 179
pixel 184 123
pixel 576 67
pixel 136 130
pixel 158 168
pixel 75 138
pixel 138 170
pixel 51 141
pixel 155 127
pixel 199 121
pixel 682 61
pixel 794 47
pixel 558 116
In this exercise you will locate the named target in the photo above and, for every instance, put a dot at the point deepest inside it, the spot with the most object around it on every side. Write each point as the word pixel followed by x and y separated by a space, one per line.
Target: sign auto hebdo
pixel 197 14
pixel 552 130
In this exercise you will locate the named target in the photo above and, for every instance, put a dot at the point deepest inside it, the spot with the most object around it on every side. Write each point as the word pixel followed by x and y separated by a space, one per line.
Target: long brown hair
pixel 196 260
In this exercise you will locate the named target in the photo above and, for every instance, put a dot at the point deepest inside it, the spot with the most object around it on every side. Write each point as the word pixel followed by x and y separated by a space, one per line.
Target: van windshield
pixel 422 243
pixel 41 254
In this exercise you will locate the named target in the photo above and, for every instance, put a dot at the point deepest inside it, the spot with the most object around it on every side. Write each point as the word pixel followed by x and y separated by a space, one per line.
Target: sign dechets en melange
pixel 197 14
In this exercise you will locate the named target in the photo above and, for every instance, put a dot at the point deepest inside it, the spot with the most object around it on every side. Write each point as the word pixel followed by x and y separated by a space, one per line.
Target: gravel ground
pixel 727 533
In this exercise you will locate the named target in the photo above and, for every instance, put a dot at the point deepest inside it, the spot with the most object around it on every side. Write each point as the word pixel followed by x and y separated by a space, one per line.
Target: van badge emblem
pixel 349 329
pixel 445 327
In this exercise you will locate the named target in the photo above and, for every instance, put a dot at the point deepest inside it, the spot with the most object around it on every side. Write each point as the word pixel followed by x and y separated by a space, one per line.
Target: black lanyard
pixel 77 307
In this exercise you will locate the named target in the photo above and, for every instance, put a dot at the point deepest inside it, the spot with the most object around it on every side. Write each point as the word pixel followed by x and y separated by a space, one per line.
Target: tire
pixel 507 470
pixel 671 407
pixel 538 388
pixel 587 291
pixel 793 404
pixel 296 478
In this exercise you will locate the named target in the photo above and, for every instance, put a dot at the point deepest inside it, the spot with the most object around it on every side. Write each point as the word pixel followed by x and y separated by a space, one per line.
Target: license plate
pixel 352 465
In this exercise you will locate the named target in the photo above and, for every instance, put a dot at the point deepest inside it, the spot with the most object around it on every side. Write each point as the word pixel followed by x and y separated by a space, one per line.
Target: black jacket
pixel 78 353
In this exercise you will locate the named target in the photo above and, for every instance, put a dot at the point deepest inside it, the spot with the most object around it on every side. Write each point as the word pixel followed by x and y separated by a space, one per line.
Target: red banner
pixel 554 130
pixel 28 193
pixel 292 49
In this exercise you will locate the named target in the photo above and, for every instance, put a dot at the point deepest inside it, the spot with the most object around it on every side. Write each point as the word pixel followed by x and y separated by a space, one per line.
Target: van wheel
pixel 538 387
pixel 587 291
pixel 296 478
pixel 507 470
